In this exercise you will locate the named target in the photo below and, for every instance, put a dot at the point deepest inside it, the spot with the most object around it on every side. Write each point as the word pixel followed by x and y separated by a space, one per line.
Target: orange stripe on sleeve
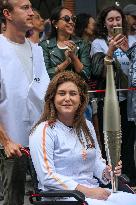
pixel 46 160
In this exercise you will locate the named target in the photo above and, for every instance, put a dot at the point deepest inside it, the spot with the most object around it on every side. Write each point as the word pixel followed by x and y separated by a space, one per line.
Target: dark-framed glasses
pixel 68 18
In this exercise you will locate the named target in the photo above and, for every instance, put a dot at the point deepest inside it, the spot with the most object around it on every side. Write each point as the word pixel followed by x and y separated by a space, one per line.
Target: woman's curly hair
pixel 101 30
pixel 50 113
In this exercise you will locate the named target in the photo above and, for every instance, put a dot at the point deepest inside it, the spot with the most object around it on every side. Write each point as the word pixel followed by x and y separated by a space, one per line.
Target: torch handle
pixel 114 182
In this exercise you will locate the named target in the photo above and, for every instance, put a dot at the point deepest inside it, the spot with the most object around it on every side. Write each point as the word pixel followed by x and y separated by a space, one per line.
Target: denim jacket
pixel 54 56
pixel 131 53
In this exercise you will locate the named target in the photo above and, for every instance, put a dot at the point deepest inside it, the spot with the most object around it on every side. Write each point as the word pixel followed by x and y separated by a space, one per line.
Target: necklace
pixel 87 146
pixel 83 152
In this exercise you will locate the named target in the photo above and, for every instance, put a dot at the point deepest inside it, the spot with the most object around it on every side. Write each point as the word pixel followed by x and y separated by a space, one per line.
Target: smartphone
pixel 116 31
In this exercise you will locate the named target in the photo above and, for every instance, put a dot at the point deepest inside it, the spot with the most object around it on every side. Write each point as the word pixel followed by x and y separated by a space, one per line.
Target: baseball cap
pixel 130 9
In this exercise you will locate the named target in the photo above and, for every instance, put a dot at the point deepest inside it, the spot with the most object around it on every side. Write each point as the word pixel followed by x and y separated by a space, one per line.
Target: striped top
pixel 58 159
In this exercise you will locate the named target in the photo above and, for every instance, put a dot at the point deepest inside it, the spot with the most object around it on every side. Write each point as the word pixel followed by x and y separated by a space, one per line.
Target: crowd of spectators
pixel 69 51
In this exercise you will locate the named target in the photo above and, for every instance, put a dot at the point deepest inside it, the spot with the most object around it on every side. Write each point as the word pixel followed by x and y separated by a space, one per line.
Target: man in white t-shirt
pixel 23 83
pixel 130 13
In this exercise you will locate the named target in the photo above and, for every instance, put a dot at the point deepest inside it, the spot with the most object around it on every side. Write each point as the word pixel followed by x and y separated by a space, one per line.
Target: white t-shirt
pixel 21 102
pixel 131 39
pixel 100 45
pixel 24 53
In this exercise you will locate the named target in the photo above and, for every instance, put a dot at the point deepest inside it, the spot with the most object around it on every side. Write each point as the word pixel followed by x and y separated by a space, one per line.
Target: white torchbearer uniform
pixel 57 156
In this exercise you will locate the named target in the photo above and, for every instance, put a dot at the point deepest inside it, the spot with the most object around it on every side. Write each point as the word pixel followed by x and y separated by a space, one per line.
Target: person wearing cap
pixel 130 12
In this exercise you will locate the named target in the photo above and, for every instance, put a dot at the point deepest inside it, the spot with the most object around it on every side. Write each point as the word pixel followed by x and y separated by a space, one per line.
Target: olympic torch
pixel 112 123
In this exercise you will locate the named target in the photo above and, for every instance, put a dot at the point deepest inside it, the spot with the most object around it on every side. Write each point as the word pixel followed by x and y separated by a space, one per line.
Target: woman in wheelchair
pixel 64 148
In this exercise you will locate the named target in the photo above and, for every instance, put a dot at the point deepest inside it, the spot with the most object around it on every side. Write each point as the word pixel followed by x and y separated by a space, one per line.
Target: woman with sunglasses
pixel 63 51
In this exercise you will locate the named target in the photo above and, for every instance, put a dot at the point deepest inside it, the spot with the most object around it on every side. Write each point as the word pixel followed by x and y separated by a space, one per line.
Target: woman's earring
pixel 56 27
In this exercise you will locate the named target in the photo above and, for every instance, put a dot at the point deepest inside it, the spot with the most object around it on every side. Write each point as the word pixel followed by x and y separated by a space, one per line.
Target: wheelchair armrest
pixel 124 179
pixel 123 184
pixel 79 196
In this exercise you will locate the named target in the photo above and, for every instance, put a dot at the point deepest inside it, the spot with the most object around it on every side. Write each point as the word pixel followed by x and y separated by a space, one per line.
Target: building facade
pixel 92 7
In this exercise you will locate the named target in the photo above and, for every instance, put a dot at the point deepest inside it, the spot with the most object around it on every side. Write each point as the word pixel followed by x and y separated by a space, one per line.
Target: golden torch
pixel 111 123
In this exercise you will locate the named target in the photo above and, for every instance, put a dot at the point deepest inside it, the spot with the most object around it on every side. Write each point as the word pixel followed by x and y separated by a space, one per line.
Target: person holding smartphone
pixel 111 21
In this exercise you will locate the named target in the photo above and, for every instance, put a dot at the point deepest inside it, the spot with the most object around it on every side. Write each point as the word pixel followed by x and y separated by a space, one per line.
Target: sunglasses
pixel 68 18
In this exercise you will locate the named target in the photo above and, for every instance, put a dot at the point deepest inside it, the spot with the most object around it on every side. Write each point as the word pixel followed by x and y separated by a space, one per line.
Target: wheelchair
pixel 61 195
pixel 51 197
pixel 58 197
